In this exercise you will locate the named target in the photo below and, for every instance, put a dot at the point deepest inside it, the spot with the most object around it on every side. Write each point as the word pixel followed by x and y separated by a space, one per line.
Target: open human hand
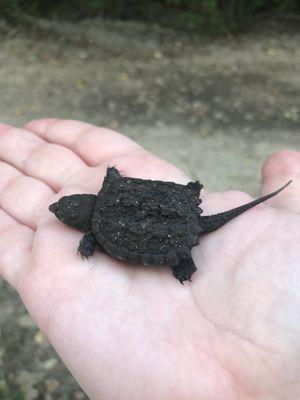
pixel 133 332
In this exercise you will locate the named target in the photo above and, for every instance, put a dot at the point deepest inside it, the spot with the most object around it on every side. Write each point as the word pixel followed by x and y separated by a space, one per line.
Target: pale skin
pixel 129 332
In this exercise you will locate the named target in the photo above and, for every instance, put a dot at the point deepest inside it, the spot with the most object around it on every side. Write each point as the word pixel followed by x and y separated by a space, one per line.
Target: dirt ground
pixel 216 108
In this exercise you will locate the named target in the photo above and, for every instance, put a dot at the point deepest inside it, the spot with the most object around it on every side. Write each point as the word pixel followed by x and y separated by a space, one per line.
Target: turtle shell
pixel 146 221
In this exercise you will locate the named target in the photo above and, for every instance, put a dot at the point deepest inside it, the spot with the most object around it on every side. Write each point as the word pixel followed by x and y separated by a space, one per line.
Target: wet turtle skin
pixel 144 221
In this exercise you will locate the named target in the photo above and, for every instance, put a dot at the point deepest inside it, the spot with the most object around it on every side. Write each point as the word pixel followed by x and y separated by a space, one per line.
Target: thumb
pixel 278 169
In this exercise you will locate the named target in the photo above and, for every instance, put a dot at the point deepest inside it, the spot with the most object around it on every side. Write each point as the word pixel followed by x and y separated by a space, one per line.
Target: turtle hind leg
pixel 195 186
pixel 87 245
pixel 184 270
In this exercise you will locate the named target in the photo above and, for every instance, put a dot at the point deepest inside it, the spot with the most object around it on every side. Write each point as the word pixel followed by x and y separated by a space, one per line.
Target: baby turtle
pixel 144 221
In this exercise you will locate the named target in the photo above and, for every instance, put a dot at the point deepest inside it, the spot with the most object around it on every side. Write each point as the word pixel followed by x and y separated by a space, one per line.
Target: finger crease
pixel 17 220
pixel 31 154
pixel 11 182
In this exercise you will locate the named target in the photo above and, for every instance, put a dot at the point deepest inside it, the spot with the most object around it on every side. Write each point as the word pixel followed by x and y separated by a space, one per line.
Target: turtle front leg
pixel 184 270
pixel 87 245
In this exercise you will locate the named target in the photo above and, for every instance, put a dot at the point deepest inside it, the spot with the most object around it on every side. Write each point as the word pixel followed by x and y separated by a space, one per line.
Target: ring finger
pixel 21 196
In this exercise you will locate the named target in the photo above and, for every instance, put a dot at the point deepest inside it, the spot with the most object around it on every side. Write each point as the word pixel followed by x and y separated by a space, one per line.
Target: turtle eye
pixel 60 215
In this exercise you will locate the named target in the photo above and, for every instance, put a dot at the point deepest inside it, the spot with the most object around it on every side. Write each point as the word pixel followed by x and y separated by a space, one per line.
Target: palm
pixel 129 332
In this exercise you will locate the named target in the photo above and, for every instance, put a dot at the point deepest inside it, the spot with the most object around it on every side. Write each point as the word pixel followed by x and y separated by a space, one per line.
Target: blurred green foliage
pixel 5 392
pixel 229 15
pixel 217 15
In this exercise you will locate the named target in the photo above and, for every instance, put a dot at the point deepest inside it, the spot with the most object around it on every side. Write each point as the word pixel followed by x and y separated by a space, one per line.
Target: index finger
pixel 94 145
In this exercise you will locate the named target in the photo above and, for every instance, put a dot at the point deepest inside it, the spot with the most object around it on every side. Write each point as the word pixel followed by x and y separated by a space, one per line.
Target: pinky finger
pixel 15 247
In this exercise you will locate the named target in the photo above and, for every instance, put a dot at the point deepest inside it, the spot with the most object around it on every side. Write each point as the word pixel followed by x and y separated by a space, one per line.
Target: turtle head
pixel 75 210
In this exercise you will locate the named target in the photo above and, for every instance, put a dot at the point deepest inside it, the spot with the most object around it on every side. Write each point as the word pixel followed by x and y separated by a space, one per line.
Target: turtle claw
pixel 83 257
pixel 184 270
pixel 87 246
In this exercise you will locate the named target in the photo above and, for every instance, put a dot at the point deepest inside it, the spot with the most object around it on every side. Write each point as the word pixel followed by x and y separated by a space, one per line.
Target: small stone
pixel 159 81
pixel 19 112
pixel 82 55
pixel 41 339
pixel 124 76
pixel 113 124
pixel 51 385
pixel 78 395
pixel 292 114
pixel 80 84
pixel 50 364
pixel 157 55
pixel 25 321
pixel 219 116
pixel 271 52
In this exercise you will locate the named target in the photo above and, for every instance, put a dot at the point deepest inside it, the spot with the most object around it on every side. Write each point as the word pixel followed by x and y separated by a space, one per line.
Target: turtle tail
pixel 211 223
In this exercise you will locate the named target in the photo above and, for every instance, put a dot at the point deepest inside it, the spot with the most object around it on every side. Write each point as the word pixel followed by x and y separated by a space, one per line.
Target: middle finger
pixel 55 165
